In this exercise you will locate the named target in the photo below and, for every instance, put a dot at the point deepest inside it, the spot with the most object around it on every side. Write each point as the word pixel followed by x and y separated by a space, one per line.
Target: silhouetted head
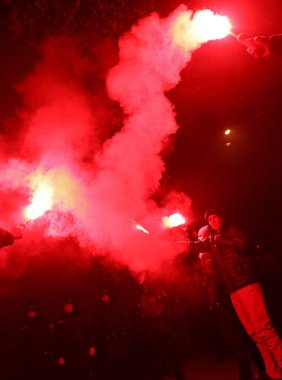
pixel 204 233
pixel 69 306
pixel 33 310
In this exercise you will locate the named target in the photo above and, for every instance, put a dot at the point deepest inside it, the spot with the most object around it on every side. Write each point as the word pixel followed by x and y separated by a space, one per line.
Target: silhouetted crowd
pixel 100 320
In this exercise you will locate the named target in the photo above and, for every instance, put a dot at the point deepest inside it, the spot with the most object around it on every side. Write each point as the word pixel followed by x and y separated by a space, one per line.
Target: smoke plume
pixel 103 188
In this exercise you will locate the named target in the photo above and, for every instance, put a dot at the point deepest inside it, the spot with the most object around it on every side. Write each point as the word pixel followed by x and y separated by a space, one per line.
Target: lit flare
pixel 189 32
pixel 207 26
pixel 42 201
pixel 174 220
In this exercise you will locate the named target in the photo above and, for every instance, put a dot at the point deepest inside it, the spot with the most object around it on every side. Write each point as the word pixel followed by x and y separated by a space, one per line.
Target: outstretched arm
pixel 262 46
pixel 8 237
pixel 233 238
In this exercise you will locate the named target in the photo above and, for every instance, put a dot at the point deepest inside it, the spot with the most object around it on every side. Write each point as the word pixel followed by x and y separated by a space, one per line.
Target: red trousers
pixel 250 306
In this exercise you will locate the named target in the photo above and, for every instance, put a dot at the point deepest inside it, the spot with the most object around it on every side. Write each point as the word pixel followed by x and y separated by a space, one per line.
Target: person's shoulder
pixel 204 229
pixel 275 44
pixel 233 229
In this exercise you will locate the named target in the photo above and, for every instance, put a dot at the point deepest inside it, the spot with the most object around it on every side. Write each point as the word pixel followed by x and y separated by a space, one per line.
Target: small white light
pixel 140 228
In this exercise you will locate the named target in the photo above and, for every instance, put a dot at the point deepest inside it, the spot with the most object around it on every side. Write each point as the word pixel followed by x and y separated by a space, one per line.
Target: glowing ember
pixel 140 228
pixel 174 220
pixel 208 26
pixel 227 132
pixel 41 202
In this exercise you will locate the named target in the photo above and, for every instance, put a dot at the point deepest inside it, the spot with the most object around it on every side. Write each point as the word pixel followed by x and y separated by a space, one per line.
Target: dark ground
pixel 142 327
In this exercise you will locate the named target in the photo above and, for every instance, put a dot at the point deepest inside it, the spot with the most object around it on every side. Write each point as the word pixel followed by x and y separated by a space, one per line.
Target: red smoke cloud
pixel 101 191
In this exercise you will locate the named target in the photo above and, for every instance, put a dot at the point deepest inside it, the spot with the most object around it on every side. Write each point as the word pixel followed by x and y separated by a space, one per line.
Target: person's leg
pixel 250 307
pixel 235 338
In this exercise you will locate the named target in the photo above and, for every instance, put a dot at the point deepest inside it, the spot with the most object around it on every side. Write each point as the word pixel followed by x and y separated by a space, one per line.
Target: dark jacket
pixel 233 260
pixel 6 238
pixel 275 44
pixel 235 267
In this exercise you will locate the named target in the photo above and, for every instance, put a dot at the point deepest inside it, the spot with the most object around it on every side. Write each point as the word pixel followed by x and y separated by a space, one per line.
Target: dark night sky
pixel 223 87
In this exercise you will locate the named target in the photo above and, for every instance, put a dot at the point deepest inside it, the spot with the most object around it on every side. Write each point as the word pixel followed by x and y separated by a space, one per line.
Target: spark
pixel 140 228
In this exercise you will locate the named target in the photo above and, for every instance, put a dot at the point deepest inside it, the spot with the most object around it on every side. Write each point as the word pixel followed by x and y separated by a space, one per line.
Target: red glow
pixel 93 188
pixel 92 351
